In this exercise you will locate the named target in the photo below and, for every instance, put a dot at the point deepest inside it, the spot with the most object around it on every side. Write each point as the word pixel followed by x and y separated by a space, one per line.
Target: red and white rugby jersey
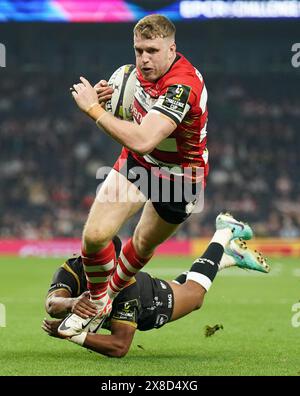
pixel 181 95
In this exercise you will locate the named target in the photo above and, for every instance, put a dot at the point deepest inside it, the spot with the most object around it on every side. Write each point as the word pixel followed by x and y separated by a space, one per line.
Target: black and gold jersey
pixel 69 276
pixel 145 303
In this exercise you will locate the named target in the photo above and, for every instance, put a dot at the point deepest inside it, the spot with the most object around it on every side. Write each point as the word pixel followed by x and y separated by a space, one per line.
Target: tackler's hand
pixel 51 326
pixel 84 307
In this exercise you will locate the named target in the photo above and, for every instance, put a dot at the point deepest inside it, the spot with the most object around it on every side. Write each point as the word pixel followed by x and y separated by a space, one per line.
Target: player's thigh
pixel 187 298
pixel 116 201
pixel 151 229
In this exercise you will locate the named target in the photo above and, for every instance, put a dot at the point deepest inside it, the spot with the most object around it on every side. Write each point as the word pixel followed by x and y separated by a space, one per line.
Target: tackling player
pixel 168 132
pixel 146 303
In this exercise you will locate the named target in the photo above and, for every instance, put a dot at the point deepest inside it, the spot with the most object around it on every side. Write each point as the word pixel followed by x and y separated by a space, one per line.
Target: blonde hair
pixel 155 25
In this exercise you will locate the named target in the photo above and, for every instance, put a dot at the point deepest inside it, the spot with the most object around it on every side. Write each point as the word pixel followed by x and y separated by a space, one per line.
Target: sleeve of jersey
pixel 63 279
pixel 126 312
pixel 174 103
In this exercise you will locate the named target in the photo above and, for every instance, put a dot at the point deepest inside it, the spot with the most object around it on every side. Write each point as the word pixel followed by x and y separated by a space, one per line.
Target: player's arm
pixel 64 295
pixel 115 344
pixel 59 303
pixel 141 138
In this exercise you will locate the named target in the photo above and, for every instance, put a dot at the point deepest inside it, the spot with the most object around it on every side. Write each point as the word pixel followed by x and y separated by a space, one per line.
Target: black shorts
pixel 145 304
pixel 156 302
pixel 172 201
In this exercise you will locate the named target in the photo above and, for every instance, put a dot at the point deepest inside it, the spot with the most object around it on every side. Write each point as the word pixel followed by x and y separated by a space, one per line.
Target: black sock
pixel 208 263
pixel 181 278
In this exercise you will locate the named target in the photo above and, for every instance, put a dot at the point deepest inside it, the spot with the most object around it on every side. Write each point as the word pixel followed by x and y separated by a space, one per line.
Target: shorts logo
pixel 170 300
pixel 163 286
pixel 156 302
pixel 160 320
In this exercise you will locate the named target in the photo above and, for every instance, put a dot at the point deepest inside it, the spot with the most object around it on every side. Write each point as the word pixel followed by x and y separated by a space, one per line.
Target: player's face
pixel 154 56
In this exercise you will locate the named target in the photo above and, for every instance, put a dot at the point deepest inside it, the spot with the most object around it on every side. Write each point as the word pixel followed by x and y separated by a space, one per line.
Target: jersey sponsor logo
pixel 127 306
pixel 60 286
pixel 121 315
pixel 176 98
pixel 126 310
pixel 137 115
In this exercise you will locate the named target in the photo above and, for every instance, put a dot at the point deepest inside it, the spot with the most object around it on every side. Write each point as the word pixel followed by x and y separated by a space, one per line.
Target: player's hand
pixel 83 306
pixel 104 92
pixel 84 94
pixel 51 326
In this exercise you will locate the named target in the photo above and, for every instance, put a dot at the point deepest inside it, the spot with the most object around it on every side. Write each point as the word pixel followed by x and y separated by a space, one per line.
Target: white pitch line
pixel 296 272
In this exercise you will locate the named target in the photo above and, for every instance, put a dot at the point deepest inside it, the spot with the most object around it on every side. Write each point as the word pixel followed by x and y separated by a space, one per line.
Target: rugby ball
pixel 123 82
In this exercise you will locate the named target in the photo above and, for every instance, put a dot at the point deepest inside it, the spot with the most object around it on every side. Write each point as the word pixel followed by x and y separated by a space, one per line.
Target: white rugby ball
pixel 123 82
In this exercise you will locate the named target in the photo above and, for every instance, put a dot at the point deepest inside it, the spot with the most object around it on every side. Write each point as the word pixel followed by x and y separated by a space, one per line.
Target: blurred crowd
pixel 50 154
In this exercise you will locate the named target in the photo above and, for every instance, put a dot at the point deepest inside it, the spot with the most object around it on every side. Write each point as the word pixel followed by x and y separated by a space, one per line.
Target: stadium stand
pixel 50 153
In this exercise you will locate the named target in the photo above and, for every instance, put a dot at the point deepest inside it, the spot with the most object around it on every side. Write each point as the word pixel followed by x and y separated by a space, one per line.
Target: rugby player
pixel 168 133
pixel 146 302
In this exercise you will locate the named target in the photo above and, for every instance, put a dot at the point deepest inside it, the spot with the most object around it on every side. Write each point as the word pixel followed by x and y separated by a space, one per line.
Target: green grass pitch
pixel 255 310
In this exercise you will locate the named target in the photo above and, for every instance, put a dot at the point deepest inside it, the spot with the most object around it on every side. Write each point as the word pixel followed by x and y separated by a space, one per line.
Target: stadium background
pixel 50 154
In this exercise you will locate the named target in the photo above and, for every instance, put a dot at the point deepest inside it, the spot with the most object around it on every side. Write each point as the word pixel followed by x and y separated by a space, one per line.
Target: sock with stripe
pixel 98 267
pixel 129 263
pixel 205 268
